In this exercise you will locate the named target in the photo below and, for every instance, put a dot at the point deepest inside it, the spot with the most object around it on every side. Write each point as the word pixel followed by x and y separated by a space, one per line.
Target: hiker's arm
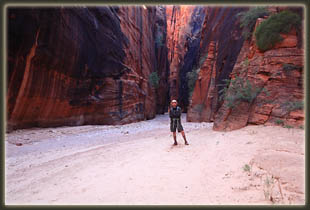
pixel 170 113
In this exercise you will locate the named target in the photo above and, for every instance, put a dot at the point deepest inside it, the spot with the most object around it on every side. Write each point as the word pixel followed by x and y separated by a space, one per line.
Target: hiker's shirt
pixel 175 119
pixel 175 113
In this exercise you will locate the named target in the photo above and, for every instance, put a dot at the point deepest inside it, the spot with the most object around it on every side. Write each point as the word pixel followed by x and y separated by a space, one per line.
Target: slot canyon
pixel 106 72
pixel 79 66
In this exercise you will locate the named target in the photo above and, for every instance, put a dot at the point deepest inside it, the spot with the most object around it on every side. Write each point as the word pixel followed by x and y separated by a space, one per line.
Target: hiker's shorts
pixel 174 124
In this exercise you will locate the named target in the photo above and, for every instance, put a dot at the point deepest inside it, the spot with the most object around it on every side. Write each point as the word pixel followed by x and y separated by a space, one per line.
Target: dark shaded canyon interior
pixel 92 65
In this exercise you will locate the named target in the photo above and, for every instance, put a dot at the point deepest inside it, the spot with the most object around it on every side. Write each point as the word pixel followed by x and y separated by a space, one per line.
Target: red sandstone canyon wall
pixel 228 56
pixel 279 71
pixel 221 42
pixel 178 28
pixel 162 64
pixel 75 66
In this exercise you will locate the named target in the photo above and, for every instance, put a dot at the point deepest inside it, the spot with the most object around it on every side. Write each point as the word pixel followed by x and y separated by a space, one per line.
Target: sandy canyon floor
pixel 137 164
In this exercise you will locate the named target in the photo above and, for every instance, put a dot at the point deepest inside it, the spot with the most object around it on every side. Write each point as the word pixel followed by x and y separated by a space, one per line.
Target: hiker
pixel 175 121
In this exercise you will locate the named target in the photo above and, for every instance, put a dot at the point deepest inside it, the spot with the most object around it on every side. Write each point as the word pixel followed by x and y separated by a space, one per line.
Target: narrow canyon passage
pixel 85 165
pixel 89 89
pixel 122 64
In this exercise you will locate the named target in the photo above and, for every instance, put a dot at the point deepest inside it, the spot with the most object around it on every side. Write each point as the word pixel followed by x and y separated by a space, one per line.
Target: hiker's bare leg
pixel 184 137
pixel 175 138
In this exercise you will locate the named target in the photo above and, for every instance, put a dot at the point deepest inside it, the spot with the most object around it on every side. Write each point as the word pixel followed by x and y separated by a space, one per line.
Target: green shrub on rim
pixel 268 32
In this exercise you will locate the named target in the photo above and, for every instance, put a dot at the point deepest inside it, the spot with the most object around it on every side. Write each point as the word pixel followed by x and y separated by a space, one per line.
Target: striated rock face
pixel 74 66
pixel 162 63
pixel 275 74
pixel 279 71
pixel 184 25
pixel 178 29
pixel 138 24
pixel 220 44
pixel 191 58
